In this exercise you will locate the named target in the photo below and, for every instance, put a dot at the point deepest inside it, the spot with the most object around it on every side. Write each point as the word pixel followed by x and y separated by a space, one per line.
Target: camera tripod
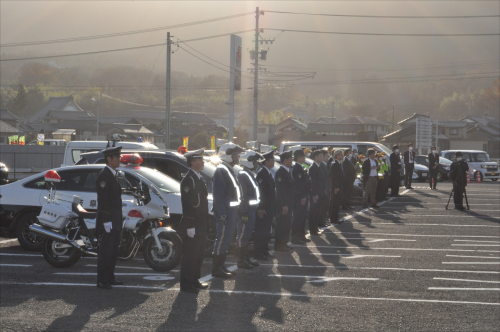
pixel 459 184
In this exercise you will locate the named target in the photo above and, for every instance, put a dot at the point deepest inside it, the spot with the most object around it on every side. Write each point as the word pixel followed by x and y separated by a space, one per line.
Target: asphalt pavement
pixel 408 265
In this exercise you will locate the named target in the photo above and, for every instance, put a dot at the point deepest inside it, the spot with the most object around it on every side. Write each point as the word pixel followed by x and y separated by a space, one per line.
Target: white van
pixel 75 148
pixel 479 163
pixel 362 147
pixel 50 142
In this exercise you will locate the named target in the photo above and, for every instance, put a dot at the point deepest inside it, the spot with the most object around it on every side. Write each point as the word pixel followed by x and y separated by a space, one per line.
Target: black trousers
pixel 408 174
pixel 395 179
pixel 262 232
pixel 433 175
pixel 108 255
pixel 335 200
pixel 314 214
pixel 346 194
pixel 283 227
pixel 193 251
pixel 299 219
pixel 323 213
pixel 458 194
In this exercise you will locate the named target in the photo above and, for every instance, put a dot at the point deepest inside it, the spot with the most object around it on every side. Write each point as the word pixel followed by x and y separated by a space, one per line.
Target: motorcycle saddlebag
pixel 55 216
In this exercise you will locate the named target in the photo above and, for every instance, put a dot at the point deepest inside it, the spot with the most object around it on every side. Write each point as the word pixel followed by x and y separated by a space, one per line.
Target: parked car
pixel 52 142
pixel 4 174
pixel 23 200
pixel 443 167
pixel 362 147
pixel 421 171
pixel 479 163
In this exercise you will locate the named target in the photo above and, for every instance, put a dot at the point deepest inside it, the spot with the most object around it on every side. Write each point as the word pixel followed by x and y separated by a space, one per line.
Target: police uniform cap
pixel 458 154
pixel 268 155
pixel 285 155
pixel 298 153
pixel 194 154
pixel 112 151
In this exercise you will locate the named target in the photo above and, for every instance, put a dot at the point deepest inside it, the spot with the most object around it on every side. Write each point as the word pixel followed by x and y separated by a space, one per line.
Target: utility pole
pixel 256 75
pixel 393 118
pixel 333 110
pixel 469 103
pixel 98 112
pixel 167 94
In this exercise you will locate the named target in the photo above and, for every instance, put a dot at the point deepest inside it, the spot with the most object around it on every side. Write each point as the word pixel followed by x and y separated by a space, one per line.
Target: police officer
pixel 337 182
pixel 194 223
pixel 326 200
pixel 266 209
pixel 409 159
pixel 458 174
pixel 302 188
pixel 227 199
pixel 318 193
pixel 433 167
pixel 284 202
pixel 349 178
pixel 248 207
pixel 395 171
pixel 109 218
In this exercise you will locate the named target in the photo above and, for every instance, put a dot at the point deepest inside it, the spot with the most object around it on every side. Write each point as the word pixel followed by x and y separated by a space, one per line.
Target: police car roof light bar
pixel 52 176
pixel 131 159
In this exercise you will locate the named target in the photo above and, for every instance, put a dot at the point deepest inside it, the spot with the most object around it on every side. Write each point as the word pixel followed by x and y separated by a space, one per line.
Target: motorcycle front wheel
pixel 166 258
pixel 59 257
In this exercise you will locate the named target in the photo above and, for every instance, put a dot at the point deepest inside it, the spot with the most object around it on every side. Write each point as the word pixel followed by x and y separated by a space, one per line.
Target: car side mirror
pixel 120 175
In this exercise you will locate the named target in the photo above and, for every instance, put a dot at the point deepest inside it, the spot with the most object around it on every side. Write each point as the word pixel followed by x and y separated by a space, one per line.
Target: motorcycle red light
pixel 135 214
pixel 131 159
pixel 52 176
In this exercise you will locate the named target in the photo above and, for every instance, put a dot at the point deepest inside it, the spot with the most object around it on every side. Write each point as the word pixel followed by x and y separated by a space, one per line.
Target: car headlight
pixel 447 168
pixel 483 166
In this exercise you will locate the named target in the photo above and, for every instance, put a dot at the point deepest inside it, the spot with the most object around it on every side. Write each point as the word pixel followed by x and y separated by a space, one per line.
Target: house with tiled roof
pixel 8 117
pixel 58 107
pixel 7 130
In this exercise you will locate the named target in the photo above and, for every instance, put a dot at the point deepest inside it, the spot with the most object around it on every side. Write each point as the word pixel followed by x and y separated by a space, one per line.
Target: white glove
pixel 191 232
pixel 108 226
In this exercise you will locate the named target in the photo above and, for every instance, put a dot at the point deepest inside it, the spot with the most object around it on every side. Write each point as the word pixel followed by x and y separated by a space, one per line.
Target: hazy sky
pixel 329 55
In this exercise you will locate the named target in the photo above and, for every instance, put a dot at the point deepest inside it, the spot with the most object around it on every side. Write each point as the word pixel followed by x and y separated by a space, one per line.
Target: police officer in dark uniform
pixel 326 200
pixel 458 173
pixel 109 218
pixel 284 202
pixel 395 160
pixel 266 209
pixel 302 188
pixel 317 193
pixel 433 168
pixel 337 183
pixel 194 223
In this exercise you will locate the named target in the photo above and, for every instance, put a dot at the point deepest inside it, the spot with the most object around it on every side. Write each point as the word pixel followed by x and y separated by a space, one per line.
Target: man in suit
pixel 326 184
pixel 349 178
pixel 355 155
pixel 284 202
pixel 433 167
pixel 409 159
pixel 458 174
pixel 318 193
pixel 302 187
pixel 337 183
pixel 395 160
pixel 370 176
pixel 266 209
pixel 109 218
pixel 194 223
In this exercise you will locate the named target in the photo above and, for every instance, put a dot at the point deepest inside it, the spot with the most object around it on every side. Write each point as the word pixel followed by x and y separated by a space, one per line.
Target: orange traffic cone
pixel 468 177
pixel 478 177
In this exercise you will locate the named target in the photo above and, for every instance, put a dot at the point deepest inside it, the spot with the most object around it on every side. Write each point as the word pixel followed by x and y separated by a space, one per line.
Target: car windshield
pixel 443 160
pixel 163 182
pixel 482 157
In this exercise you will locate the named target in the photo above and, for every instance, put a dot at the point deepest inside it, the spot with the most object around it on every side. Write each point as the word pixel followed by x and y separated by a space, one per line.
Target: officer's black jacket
pixel 267 190
pixel 109 200
pixel 284 188
pixel 458 172
pixel 395 162
pixel 301 181
pixel 433 160
pixel 337 175
pixel 349 171
pixel 326 175
pixel 317 181
pixel 194 204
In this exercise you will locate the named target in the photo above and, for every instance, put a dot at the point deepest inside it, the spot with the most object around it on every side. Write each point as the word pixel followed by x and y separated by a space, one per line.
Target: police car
pixel 21 201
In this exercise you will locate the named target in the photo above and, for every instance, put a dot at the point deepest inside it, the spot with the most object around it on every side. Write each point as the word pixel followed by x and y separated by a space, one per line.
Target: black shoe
pixel 116 283
pixel 250 260
pixel 261 258
pixel 318 232
pixel 305 239
pixel 200 285
pixel 282 249
pixel 347 208
pixel 242 262
pixel 217 271
pixel 411 187
pixel 297 241
pixel 190 290
pixel 104 285
pixel 269 255
pixel 375 206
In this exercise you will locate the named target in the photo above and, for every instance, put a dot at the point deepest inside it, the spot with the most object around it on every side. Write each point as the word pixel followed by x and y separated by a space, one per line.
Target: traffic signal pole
pixel 256 75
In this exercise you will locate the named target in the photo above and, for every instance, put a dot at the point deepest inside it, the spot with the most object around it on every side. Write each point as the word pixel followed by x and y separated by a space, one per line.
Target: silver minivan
pixel 362 147
pixel 479 163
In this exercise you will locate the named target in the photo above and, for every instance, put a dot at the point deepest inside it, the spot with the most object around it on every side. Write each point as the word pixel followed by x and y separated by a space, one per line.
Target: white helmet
pixel 227 150
pixel 248 157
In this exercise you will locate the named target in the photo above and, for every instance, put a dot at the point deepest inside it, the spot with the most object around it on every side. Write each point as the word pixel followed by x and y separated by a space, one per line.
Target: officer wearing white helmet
pixel 248 208
pixel 227 199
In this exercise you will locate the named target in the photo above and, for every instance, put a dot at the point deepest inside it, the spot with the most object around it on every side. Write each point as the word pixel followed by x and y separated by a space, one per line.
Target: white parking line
pixel 131 267
pixel 352 255
pixel 374 239
pixel 280 294
pixel 425 215
pixel 423 224
pixel 16 265
pixel 117 274
pixel 25 255
pixel 473 256
pixel 468 280
pixel 209 277
pixel 464 289
pixel 422 235
pixel 475 245
pixel 419 202
pixel 321 278
pixel 8 241
pixel 481 241
pixel 428 208
pixel 473 263
pixel 406 249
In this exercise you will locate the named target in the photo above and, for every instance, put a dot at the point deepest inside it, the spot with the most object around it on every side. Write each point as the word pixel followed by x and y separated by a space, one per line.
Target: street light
pixel 98 103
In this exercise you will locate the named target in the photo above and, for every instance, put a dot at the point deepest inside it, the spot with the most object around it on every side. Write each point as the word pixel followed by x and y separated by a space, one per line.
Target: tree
pixel 20 101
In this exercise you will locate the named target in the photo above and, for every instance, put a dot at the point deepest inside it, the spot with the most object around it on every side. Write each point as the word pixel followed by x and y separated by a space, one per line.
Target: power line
pixel 118 34
pixel 380 16
pixel 389 34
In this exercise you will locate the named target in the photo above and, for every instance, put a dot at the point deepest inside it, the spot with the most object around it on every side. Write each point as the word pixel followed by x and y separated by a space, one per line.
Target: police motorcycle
pixel 70 232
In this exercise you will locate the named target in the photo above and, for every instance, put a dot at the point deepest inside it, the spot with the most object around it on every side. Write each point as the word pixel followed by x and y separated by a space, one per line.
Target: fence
pixel 25 160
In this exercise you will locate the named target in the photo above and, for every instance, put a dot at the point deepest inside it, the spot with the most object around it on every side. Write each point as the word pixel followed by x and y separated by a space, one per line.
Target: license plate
pixel 424 174
pixel 492 173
